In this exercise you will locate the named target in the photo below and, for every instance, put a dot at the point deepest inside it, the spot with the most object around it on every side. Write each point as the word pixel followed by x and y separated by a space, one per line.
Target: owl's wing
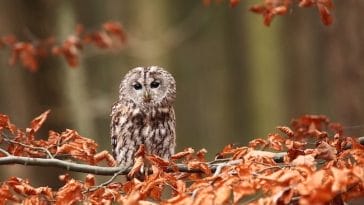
pixel 118 118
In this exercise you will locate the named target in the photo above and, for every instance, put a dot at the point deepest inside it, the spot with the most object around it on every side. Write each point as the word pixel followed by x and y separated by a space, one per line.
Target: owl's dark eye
pixel 137 86
pixel 154 84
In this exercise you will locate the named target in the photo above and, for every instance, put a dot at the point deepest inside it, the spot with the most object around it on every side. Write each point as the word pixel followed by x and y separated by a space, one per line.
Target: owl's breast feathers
pixel 132 126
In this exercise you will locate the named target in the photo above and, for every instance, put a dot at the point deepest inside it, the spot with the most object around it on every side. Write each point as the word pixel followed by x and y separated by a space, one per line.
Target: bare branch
pixel 215 166
pixel 83 168
pixel 218 167
pixel 98 170
pixel 67 165
pixel 106 182
pixel 6 153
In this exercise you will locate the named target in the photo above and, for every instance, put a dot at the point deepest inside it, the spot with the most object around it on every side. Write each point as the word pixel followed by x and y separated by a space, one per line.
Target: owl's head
pixel 148 86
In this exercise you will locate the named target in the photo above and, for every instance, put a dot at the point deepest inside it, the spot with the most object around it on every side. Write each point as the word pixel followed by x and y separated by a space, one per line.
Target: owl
pixel 144 114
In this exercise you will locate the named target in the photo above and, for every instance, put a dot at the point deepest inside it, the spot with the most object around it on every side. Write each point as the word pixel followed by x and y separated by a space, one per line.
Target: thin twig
pixel 116 174
pixel 46 151
pixel 5 152
pixel 219 167
pixel 220 160
pixel 172 187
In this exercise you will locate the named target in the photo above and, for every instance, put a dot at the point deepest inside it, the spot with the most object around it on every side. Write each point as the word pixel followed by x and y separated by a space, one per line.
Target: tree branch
pixel 83 168
pixel 67 165
pixel 215 166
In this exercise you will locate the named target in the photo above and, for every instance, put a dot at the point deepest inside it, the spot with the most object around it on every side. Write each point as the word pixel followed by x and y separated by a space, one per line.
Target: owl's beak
pixel 147 96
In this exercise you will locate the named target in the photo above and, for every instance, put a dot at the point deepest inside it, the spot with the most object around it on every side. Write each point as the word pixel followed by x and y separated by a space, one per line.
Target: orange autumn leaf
pixel 276 141
pixel 73 144
pixel 70 193
pixel 70 50
pixel 6 195
pixel 105 155
pixel 237 174
pixel 286 130
pixel 37 122
pixel 222 194
pixel 326 151
pixel 199 166
pixel 241 189
pixel 138 164
pixel 31 53
pixel 186 152
pixel 115 29
pixel 90 180
pixel 6 124
pixel 258 143
pixel 26 53
pixel 306 160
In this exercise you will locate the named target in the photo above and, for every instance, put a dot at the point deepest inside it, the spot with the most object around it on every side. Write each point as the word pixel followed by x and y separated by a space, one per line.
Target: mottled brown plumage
pixel 144 114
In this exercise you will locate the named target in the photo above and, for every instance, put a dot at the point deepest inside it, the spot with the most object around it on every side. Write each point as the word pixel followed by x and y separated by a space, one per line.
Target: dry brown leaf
pixel 199 165
pixel 326 151
pixel 241 189
pixel 276 141
pixel 115 29
pixel 286 130
pixel 133 198
pixel 105 155
pixel 340 180
pixel 294 153
pixel 180 199
pixel 180 186
pixel 156 192
pixel 258 143
pixel 222 194
pixel 70 193
pixel 35 199
pixel 64 178
pixel 187 152
pixel 304 160
pixel 258 153
pixel 158 161
pixel 6 195
pixel 316 189
pixel 23 187
pixel 295 145
pixel 227 150
pixel 240 152
pixel 201 155
pixel 89 180
pixel 73 144
pixel 5 123
pixel 138 164
pixel 37 122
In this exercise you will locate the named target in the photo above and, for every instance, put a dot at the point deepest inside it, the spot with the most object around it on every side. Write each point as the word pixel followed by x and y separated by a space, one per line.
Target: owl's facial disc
pixel 148 87
pixel 148 91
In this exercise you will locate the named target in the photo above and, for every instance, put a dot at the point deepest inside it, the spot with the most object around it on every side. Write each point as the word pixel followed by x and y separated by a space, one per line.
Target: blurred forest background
pixel 236 79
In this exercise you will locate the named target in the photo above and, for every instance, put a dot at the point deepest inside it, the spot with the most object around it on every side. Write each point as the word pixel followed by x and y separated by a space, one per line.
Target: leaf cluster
pixel 112 35
pixel 320 165
pixel 29 53
pixel 271 8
